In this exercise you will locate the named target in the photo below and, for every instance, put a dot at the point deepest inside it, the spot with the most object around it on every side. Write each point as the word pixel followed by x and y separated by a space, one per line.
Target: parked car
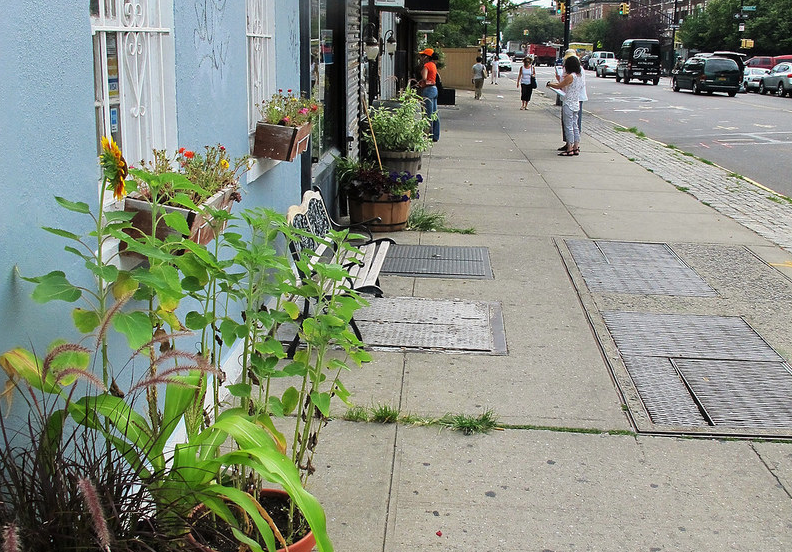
pixel 504 62
pixel 639 58
pixel 763 62
pixel 752 77
pixel 584 61
pixel 606 67
pixel 597 57
pixel 708 74
pixel 779 79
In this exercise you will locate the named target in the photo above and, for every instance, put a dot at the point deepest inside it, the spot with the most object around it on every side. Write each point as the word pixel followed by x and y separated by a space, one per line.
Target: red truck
pixel 543 54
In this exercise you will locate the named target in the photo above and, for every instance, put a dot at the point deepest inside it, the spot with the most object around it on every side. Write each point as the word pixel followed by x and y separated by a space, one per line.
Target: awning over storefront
pixel 427 11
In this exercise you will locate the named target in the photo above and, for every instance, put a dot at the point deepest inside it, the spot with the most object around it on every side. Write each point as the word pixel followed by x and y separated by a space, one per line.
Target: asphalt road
pixel 749 134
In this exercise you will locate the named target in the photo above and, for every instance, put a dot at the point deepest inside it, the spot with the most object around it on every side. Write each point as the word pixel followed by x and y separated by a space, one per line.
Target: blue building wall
pixel 48 142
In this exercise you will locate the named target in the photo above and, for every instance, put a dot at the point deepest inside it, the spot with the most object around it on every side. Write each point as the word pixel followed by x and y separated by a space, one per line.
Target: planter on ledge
pixel 201 230
pixel 280 142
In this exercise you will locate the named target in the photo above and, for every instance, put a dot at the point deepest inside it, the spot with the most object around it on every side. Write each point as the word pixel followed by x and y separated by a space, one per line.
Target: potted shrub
pixel 285 126
pixel 399 134
pixel 201 186
pixel 373 193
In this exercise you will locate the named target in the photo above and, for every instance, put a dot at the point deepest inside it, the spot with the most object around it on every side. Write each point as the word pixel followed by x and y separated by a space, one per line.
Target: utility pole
pixel 497 29
pixel 566 17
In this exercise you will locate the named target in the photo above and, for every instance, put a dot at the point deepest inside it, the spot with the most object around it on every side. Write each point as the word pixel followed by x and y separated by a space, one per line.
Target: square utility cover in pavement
pixel 436 261
pixel 703 371
pixel 638 268
pixel 433 325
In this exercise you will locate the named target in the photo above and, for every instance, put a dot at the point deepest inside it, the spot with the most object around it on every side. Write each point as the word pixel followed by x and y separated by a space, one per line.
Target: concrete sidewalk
pixel 570 473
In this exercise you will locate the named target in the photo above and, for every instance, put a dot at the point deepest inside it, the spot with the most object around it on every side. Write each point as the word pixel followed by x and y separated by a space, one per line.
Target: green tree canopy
pixel 542 27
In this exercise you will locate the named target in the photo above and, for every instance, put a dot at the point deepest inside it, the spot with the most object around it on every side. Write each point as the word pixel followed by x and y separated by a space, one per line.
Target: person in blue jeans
pixel 427 88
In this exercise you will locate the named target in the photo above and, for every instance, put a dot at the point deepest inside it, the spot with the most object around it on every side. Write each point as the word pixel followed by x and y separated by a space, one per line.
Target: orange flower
pixel 189 154
pixel 114 167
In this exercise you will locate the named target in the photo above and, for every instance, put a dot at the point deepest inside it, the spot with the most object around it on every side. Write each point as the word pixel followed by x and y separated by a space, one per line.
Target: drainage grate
pixel 430 324
pixel 434 261
pixel 638 268
pixel 692 370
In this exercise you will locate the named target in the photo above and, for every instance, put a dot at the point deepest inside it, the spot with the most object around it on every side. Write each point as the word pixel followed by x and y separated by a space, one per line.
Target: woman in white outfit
pixel 572 85
pixel 524 81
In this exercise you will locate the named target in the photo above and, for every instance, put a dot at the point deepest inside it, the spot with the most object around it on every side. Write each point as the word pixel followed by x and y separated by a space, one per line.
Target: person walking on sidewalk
pixel 494 70
pixel 525 81
pixel 572 85
pixel 427 88
pixel 479 74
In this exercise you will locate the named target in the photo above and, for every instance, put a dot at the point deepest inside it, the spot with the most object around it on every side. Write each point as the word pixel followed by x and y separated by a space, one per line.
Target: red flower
pixel 189 154
pixel 181 150
pixel 222 148
pixel 285 120
pixel 289 91
pixel 314 107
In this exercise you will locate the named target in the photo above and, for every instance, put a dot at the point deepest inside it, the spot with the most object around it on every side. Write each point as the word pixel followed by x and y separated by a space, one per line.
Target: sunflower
pixel 114 167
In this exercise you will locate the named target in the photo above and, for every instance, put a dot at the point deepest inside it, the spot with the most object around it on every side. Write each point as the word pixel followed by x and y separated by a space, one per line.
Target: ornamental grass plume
pixel 11 538
pixel 97 515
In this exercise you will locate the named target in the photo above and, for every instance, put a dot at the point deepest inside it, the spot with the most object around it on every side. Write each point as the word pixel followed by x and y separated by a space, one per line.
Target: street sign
pixel 741 27
pixel 485 22
pixel 481 17
pixel 748 8
pixel 740 16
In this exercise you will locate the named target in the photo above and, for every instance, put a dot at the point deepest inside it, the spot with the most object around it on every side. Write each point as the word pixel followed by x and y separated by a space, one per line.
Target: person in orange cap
pixel 427 88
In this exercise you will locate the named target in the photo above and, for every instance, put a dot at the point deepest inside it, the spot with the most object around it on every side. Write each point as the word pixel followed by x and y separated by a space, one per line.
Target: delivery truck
pixel 543 54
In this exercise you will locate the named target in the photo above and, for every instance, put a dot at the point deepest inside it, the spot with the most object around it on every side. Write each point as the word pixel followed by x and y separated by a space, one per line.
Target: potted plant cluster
pixel 100 463
pixel 206 182
pixel 285 126
pixel 380 198
pixel 399 134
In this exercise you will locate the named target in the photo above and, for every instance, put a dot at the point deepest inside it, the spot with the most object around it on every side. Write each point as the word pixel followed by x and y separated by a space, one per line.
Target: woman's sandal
pixel 567 154
pixel 576 151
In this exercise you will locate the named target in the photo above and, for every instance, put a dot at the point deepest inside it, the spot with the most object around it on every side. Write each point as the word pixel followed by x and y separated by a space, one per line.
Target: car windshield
pixel 721 65
pixel 503 56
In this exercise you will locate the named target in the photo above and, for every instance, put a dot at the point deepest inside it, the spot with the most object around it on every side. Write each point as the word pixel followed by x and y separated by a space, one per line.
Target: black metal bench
pixel 363 264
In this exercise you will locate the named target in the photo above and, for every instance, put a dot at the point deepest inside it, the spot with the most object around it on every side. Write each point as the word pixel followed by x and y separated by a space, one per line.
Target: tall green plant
pixel 403 128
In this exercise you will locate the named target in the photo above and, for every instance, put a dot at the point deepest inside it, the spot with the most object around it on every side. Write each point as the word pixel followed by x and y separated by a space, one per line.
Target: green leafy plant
pixel 362 180
pixel 403 128
pixel 426 220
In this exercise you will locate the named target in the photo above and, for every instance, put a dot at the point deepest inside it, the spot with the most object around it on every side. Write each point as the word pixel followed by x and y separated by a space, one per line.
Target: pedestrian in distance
pixel 572 85
pixel 479 74
pixel 526 81
pixel 494 70
pixel 427 88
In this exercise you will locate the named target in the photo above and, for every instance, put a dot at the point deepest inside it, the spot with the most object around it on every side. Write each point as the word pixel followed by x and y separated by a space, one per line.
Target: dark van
pixel 639 59
pixel 708 74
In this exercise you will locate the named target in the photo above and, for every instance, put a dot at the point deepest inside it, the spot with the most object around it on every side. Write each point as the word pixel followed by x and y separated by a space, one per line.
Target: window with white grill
pixel 134 75
pixel 261 56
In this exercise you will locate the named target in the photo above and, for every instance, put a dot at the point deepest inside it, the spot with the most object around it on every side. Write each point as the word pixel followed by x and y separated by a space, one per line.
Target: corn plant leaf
pixel 54 286
pixel 136 326
pixel 20 363
pixel 77 207
pixel 265 421
pixel 126 421
pixel 251 508
pixel 290 400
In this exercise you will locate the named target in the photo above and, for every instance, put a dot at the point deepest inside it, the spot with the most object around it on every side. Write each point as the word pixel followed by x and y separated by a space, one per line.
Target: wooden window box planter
pixel 280 142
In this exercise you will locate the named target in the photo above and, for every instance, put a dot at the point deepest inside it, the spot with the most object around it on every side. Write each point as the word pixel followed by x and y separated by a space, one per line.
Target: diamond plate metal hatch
pixel 694 370
pixel 435 261
pixel 637 268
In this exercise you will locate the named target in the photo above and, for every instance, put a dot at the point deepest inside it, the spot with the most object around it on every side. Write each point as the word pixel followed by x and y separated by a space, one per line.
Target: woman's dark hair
pixel 572 65
pixel 527 60
pixel 478 59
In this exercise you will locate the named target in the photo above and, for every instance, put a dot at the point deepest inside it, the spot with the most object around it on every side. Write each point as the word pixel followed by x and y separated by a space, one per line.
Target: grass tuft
pixel 384 414
pixel 425 220
pixel 483 423
pixel 357 414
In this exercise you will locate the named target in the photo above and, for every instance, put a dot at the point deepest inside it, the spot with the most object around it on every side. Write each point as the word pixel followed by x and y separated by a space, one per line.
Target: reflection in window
pixel 323 85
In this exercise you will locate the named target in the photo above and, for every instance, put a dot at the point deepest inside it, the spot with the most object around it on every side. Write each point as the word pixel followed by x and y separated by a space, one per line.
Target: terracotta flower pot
pixel 305 544
pixel 280 142
pixel 392 213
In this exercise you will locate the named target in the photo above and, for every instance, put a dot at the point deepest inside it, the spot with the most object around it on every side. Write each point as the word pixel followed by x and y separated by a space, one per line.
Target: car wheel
pixel 762 89
pixel 656 81
pixel 674 85
pixel 695 88
pixel 780 92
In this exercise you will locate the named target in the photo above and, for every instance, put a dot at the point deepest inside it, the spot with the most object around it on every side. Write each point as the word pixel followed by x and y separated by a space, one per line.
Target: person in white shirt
pixel 573 86
pixel 494 70
pixel 524 81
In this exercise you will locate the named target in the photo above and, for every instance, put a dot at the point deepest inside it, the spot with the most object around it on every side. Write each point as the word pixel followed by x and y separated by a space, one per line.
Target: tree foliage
pixel 542 27
pixel 715 28
pixel 610 32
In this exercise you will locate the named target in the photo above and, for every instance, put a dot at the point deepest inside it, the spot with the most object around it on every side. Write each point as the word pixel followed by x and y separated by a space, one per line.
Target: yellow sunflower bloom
pixel 224 163
pixel 114 167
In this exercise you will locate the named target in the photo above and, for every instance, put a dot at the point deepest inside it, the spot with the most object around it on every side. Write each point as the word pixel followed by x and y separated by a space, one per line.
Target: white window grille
pixel 134 75
pixel 261 56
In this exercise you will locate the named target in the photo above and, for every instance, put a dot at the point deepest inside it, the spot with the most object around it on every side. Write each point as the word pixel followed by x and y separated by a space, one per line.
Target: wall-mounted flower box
pixel 202 230
pixel 280 142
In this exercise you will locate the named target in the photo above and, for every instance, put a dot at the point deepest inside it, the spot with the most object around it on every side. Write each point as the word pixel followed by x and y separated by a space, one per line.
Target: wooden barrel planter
pixel 392 213
pixel 399 161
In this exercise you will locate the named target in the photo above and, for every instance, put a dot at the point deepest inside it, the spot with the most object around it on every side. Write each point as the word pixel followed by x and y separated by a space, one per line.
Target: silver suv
pixel 778 80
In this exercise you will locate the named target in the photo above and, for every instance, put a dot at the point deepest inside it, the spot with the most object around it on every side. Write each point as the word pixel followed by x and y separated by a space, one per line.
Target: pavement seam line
pixel 770 470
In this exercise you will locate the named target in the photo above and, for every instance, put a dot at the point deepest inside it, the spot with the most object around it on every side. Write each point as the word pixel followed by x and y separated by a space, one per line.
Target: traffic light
pixel 624 8
pixel 562 11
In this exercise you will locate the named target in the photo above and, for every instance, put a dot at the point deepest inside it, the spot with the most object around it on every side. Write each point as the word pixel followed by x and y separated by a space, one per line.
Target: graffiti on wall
pixel 210 40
